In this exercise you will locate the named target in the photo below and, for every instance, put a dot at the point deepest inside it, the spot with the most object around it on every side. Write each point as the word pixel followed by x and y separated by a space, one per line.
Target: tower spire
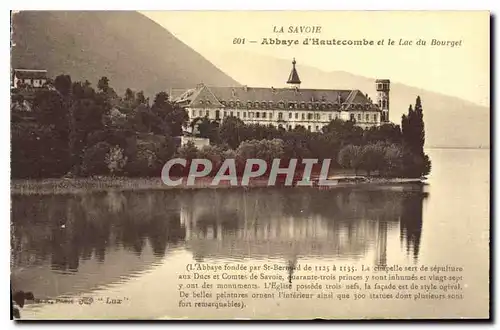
pixel 293 79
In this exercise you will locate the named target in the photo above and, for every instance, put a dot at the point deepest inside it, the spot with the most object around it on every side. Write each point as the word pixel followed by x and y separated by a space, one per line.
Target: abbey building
pixel 287 107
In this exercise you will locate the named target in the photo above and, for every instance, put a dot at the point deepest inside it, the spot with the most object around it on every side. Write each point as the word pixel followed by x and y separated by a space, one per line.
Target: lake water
pixel 132 246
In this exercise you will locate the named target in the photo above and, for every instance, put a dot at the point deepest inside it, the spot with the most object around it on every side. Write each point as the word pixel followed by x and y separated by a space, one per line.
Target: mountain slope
pixel 127 47
pixel 450 121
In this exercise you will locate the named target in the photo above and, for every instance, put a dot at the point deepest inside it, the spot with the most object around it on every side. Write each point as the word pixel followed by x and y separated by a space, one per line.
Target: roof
pixel 294 76
pixel 30 74
pixel 270 98
pixel 261 97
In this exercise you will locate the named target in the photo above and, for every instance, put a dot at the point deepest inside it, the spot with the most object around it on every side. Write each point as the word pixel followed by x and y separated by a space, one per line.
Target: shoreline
pixel 61 186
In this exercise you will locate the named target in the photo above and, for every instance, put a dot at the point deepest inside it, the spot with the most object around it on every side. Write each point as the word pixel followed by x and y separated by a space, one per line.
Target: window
pixel 238 114
pixel 280 115
pixel 271 115
pixel 270 105
pixel 309 127
pixel 384 104
pixel 207 113
pixel 250 114
pixel 296 115
pixel 352 117
pixel 225 113
pixel 309 116
pixel 359 117
pixel 249 104
pixel 264 114
pixel 318 116
pixel 329 117
pixel 244 114
pixel 367 117
pixel 200 113
pixel 232 114
pixel 289 127
pixel 303 116
pixel 375 117
pixel 289 115
pixel 317 128
pixel 193 113
pixel 257 114
pixel 217 114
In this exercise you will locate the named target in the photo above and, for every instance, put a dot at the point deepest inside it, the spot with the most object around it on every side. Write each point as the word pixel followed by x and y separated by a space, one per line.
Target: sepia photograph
pixel 250 165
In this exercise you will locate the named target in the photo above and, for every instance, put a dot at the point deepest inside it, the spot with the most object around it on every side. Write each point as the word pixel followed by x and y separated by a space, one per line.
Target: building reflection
pixel 99 238
pixel 287 224
pixel 65 231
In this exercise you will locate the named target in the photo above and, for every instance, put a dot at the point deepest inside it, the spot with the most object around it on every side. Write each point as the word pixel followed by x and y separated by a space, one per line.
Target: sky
pixel 462 71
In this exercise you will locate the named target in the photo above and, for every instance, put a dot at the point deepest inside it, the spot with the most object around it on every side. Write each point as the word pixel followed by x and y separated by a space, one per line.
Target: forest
pixel 72 129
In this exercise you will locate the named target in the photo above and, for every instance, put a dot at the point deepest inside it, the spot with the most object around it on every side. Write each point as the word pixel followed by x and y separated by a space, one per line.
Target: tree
pixel 393 160
pixel 145 121
pixel 389 133
pixel 188 151
pixel 63 85
pixel 87 116
pixel 160 101
pixel 94 159
pixel 174 118
pixel 129 95
pixel 351 157
pixel 212 153
pixel 232 131
pixel 266 150
pixel 415 162
pixel 346 132
pixel 115 160
pixel 413 128
pixel 50 109
pixel 103 84
pixel 140 98
pixel 419 127
pixel 207 129
pixel 373 158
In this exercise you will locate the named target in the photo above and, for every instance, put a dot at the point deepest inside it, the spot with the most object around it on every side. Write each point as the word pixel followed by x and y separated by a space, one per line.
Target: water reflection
pixel 102 237
pixel 70 228
pixel 267 223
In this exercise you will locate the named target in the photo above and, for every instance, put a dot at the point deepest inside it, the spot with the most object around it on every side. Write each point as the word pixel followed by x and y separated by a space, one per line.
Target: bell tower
pixel 293 79
pixel 383 87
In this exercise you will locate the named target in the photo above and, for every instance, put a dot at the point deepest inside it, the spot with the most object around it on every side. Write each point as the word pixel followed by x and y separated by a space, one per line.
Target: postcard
pixel 250 165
